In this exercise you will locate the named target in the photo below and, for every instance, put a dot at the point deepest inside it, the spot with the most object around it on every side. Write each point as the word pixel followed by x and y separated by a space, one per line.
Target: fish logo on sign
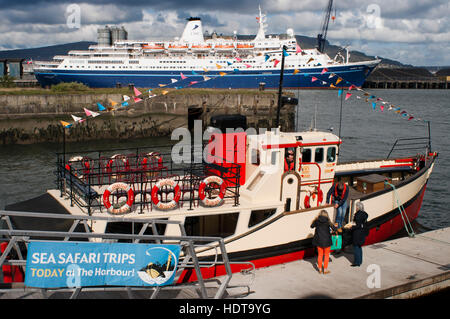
pixel 160 268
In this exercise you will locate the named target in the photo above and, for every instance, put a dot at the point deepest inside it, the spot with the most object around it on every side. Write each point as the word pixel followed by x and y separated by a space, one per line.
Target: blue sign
pixel 82 264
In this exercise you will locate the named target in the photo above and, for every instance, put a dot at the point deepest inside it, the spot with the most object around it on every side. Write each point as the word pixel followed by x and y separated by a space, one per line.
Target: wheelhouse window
pixel 331 154
pixel 220 225
pixel 318 155
pixel 306 155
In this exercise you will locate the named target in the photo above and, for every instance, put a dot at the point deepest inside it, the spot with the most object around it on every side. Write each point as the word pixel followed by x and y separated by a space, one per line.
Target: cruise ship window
pixel 306 155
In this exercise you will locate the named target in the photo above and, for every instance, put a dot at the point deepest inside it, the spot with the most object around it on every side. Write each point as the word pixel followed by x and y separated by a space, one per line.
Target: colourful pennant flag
pixel 410 118
pixel 205 78
pixel 374 105
pixel 205 70
pixel 164 92
pixel 297 48
pixel 124 103
pixel 236 70
pixel 101 107
pixel 238 59
pixel 351 87
pixel 66 124
pixel 193 82
pixel 77 119
pixel 137 92
pixel 218 66
pixel 90 113
pixel 340 92
pixel 247 65
pixel 285 53
pixel 276 62
pixel 113 103
pixel 182 76
pixel 310 60
pixel 222 73
pixel 229 63
pixel 325 70
pixel 194 73
pixel 126 97
pixel 332 86
pixel 174 80
pixel 296 71
pixel 332 75
pixel 382 108
pixel 347 96
pixel 137 100
pixel 313 79
pixel 266 57
pixel 338 80
pixel 162 85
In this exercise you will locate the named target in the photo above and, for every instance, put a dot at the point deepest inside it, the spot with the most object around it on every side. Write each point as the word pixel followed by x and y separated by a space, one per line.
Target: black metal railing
pixel 412 143
pixel 81 177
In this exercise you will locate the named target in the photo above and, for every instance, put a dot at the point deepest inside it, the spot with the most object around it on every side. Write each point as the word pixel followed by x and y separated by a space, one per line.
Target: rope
pixel 403 214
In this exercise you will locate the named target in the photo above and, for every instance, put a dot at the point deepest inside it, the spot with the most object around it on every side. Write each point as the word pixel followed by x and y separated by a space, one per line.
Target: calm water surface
pixel 26 171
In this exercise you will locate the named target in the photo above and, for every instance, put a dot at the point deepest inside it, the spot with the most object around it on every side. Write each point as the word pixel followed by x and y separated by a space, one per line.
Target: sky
pixel 413 32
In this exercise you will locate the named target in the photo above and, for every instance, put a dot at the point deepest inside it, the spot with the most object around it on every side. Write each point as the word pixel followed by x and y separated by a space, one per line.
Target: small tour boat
pixel 241 191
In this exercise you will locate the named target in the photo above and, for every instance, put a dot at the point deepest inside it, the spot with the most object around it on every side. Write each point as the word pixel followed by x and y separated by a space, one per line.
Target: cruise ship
pixel 215 62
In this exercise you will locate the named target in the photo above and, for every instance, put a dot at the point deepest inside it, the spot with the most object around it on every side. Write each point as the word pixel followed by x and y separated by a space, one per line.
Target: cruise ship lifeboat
pixel 245 46
pixel 177 47
pixel 152 48
pixel 203 47
pixel 224 47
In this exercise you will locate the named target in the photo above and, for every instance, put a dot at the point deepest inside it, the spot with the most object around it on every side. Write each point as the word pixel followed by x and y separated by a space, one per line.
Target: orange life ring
pixel 312 196
pixel 201 191
pixel 124 208
pixel 173 203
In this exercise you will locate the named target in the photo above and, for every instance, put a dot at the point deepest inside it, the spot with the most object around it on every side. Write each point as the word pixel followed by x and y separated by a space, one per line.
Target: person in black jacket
pixel 322 239
pixel 359 233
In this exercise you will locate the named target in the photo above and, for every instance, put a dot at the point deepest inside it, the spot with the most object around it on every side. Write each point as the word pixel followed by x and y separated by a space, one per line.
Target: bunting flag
pixel 174 80
pixel 332 86
pixel 310 60
pixel 236 70
pixel 137 92
pixel 276 62
pixel 126 97
pixel 164 92
pixel 285 53
pixel 193 82
pixel 338 80
pixel 218 66
pixel 297 48
pixel 205 70
pixel 194 73
pixel 222 73
pixel 374 105
pixel 347 96
pixel 340 92
pixel 137 100
pixel 90 113
pixel 332 75
pixel 325 70
pixel 313 79
pixel 182 76
pixel 229 63
pixel 351 87
pixel 238 59
pixel 266 57
pixel 382 108
pixel 296 71
pixel 247 65
pixel 65 124
pixel 101 107
pixel 113 103
pixel 205 78
pixel 77 119
pixel 162 85
pixel 124 103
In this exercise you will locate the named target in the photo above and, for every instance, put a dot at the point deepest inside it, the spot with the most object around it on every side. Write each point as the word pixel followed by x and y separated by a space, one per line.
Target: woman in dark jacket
pixel 322 239
pixel 359 233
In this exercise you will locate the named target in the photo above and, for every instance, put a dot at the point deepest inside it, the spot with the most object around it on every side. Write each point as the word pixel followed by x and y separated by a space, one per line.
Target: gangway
pixel 18 239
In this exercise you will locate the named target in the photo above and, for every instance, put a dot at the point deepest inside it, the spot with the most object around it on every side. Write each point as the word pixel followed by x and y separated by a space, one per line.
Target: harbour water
pixel 27 171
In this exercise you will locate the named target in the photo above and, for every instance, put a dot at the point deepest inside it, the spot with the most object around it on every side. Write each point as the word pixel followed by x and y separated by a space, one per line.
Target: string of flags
pixel 331 79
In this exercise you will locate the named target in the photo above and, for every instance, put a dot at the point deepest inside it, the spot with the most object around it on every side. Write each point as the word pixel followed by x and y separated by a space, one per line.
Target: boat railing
pixel 85 178
pixel 409 144
pixel 14 252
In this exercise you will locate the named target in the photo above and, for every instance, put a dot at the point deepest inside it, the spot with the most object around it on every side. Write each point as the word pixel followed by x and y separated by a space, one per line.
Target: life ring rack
pixel 125 208
pixel 217 200
pixel 177 194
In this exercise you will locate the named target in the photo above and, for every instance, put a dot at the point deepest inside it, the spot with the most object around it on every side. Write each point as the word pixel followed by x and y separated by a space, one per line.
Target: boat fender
pixel 217 200
pixel 10 273
pixel 124 208
pixel 314 198
pixel 177 194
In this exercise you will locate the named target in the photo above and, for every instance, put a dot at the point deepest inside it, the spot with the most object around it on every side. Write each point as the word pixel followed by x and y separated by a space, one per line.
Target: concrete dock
pixel 401 268
pixel 407 267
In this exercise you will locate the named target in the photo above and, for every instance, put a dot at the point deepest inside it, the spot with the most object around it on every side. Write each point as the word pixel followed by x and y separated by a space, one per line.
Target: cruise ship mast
pixel 261 35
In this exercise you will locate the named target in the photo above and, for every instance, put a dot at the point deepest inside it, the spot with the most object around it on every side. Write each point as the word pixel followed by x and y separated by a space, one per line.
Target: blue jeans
pixel 357 252
pixel 340 214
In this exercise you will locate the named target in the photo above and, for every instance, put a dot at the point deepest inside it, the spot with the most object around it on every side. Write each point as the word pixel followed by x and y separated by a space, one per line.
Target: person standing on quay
pixel 322 239
pixel 359 233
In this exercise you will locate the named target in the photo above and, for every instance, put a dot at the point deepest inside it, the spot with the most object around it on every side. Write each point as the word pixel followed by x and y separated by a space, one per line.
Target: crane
pixel 321 37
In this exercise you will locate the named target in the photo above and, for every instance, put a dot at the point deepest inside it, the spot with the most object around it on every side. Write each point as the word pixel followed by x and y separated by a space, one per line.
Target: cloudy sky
pixel 411 31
